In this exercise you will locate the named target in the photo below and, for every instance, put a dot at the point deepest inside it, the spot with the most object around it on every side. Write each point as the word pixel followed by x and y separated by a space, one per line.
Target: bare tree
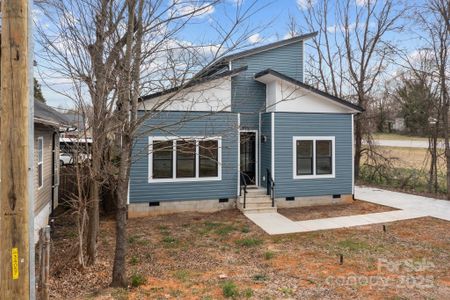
pixel 351 51
pixel 113 51
pixel 434 30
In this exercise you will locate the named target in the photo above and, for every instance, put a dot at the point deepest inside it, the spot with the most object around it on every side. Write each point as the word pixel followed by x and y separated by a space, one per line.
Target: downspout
pixel 53 171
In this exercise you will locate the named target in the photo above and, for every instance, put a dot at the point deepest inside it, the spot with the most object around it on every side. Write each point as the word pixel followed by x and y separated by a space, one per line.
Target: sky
pixel 270 22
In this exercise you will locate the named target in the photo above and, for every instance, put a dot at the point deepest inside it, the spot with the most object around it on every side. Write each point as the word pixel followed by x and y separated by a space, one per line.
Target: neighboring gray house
pixel 247 121
pixel 47 124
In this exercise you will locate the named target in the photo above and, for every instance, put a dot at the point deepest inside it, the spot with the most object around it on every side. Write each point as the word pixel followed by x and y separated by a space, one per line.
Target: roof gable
pixel 268 75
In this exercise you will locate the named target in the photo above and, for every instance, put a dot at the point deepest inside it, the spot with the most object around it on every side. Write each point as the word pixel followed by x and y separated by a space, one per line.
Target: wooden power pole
pixel 15 152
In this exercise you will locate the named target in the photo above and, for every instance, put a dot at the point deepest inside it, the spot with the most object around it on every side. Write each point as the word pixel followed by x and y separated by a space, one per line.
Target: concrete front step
pixel 259 210
pixel 256 205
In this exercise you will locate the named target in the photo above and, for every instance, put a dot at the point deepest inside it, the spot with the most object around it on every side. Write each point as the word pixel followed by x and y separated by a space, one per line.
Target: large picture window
pixel 313 157
pixel 184 159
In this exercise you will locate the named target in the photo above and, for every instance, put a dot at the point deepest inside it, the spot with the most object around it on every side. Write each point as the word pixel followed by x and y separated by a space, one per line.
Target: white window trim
pixel 41 142
pixel 314 139
pixel 151 139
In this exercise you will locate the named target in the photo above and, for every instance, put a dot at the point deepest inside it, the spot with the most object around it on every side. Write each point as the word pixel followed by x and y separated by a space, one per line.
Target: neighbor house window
pixel 40 161
pixel 313 157
pixel 184 159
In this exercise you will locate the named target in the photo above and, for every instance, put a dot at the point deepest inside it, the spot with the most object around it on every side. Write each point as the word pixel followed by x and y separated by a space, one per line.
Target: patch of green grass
pixel 287 291
pixel 211 225
pixel 249 242
pixel 134 260
pixel 132 239
pixel 353 245
pixel 182 275
pixel 230 290
pixel 170 240
pixel 259 277
pixel 137 280
pixel 269 255
pixel 225 230
pixel 245 229
pixel 163 227
pixel 247 293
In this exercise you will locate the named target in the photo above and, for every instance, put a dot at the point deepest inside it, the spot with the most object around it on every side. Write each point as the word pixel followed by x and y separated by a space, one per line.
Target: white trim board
pixel 314 139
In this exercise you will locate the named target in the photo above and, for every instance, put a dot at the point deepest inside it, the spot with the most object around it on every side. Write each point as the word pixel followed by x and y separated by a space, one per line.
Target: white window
pixel 313 157
pixel 185 159
pixel 40 161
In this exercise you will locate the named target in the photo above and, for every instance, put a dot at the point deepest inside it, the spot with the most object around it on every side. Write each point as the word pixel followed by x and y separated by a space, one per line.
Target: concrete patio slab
pixel 409 207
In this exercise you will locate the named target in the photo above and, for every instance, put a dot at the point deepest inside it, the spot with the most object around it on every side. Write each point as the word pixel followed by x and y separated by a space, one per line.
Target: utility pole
pixel 16 148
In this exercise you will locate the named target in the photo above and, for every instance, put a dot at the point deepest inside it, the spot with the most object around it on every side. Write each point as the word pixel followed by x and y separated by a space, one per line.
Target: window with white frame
pixel 40 161
pixel 314 157
pixel 184 159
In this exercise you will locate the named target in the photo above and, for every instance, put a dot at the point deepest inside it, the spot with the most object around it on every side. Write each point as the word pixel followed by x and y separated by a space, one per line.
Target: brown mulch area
pixel 181 257
pixel 357 207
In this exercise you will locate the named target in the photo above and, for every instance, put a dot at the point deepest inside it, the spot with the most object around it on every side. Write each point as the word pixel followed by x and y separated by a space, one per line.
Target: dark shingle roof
pixel 47 115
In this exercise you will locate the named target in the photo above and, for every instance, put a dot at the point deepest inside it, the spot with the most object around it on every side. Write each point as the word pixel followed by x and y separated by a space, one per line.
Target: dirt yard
pixel 329 211
pixel 219 255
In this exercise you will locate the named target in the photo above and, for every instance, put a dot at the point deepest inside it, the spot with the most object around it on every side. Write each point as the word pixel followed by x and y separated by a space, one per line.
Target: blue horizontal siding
pixel 185 124
pixel 248 95
pixel 288 125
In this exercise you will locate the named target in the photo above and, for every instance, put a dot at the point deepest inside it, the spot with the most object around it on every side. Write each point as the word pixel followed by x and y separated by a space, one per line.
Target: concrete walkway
pixel 410 207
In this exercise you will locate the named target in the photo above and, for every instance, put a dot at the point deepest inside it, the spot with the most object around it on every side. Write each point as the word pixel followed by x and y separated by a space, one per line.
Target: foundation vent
pixel 337 196
pixel 223 200
pixel 155 203
pixel 290 198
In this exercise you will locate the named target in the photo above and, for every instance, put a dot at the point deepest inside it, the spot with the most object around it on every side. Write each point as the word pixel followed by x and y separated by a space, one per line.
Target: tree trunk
pixel 93 224
pixel 119 276
pixel 447 146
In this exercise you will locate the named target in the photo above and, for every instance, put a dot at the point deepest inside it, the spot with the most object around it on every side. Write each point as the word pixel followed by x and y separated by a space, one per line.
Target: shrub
pixel 230 290
pixel 259 277
pixel 134 260
pixel 137 280
pixel 248 293
pixel 269 255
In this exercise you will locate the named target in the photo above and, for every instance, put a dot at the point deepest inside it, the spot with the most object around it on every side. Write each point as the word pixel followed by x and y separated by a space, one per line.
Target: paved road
pixel 405 143
pixel 409 207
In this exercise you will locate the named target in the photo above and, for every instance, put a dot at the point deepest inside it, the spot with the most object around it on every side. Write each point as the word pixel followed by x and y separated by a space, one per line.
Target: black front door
pixel 248 157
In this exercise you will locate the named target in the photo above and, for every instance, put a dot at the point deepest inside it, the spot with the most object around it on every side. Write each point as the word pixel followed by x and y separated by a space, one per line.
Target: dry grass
pixel 328 211
pixel 411 158
pixel 398 137
pixel 181 257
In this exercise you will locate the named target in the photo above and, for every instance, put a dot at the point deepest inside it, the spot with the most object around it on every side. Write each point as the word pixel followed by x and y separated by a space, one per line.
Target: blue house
pixel 246 131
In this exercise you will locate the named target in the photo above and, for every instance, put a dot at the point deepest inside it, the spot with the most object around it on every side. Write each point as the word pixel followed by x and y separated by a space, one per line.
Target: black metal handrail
pixel 270 186
pixel 243 185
